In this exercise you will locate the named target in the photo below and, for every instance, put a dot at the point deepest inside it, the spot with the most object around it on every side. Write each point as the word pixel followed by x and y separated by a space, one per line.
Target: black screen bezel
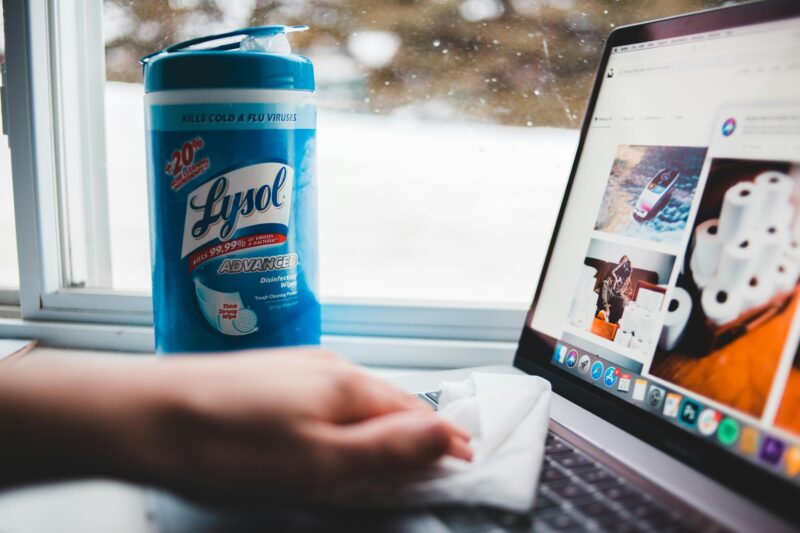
pixel 535 349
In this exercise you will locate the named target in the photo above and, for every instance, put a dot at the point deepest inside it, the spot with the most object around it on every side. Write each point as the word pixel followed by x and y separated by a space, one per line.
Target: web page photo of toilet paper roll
pixel 758 291
pixel 784 215
pixel 707 247
pixel 649 300
pixel 741 209
pixel 649 327
pixel 720 305
pixel 630 317
pixel 792 251
pixel 737 263
pixel 784 275
pixel 774 239
pixel 775 189
pixel 642 346
pixel 677 318
pixel 623 337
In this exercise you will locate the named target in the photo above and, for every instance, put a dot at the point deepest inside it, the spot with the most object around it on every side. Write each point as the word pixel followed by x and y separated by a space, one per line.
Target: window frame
pixel 383 331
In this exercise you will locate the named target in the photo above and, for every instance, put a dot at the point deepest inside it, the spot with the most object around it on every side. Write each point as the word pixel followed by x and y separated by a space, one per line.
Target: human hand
pixel 283 423
pixel 293 423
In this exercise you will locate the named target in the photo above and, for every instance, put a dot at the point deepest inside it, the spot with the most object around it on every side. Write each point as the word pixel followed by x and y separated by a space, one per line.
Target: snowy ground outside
pixel 409 210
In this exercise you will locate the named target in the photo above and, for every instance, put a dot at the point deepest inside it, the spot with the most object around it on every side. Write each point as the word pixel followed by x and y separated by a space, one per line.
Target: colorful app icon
pixel 708 421
pixel 560 353
pixel 584 364
pixel 792 461
pixel 728 431
pixel 655 396
pixel 572 358
pixel 597 370
pixel 748 442
pixel 671 404
pixel 771 450
pixel 728 127
pixel 639 388
pixel 624 383
pixel 689 412
pixel 610 377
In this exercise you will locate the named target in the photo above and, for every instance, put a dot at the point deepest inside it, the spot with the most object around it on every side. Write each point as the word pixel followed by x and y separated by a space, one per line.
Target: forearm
pixel 287 423
pixel 63 418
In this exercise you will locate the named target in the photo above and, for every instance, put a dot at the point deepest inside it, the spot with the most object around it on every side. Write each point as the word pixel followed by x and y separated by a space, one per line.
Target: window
pixel 446 133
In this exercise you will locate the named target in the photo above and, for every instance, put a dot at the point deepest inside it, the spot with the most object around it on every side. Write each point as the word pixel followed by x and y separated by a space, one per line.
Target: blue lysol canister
pixel 233 210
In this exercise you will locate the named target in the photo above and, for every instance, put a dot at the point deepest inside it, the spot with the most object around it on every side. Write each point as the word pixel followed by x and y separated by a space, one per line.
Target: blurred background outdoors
pixel 446 132
pixel 514 62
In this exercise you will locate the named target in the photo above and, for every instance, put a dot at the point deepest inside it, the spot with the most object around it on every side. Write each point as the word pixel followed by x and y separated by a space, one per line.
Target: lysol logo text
pixel 258 194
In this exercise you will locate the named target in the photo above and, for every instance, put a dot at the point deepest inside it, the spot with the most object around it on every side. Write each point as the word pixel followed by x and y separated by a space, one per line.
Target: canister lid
pixel 250 58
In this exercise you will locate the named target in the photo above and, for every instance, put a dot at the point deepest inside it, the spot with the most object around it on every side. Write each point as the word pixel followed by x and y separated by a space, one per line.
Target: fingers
pixel 357 396
pixel 390 444
pixel 460 449
pixel 361 396
pixel 351 394
pixel 457 431
pixel 364 396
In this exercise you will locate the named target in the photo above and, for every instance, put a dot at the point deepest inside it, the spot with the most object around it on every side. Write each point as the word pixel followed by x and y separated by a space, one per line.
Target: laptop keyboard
pixel 576 493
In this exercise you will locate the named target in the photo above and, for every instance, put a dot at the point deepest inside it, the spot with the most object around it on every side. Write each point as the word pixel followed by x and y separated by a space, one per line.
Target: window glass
pixel 9 270
pixel 446 131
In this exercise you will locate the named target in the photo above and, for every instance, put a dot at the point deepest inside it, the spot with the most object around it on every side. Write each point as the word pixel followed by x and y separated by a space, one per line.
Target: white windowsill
pixel 406 353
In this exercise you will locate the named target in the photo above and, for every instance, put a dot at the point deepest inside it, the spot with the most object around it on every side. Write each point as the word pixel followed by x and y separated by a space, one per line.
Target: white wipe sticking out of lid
pixel 275 43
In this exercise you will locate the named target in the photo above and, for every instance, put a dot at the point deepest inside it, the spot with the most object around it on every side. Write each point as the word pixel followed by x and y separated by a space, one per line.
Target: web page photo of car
pixel 650 191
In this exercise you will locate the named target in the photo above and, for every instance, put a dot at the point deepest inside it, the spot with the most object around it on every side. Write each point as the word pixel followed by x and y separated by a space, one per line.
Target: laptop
pixel 665 315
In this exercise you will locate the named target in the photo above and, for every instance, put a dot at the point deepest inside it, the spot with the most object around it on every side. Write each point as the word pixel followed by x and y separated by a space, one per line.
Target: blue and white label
pixel 250 196
pixel 256 116
pixel 233 220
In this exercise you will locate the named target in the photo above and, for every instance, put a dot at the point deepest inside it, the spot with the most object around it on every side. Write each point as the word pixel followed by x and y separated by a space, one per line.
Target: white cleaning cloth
pixel 507 416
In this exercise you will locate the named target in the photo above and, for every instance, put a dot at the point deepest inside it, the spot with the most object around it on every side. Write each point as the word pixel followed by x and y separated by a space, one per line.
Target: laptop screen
pixel 672 283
